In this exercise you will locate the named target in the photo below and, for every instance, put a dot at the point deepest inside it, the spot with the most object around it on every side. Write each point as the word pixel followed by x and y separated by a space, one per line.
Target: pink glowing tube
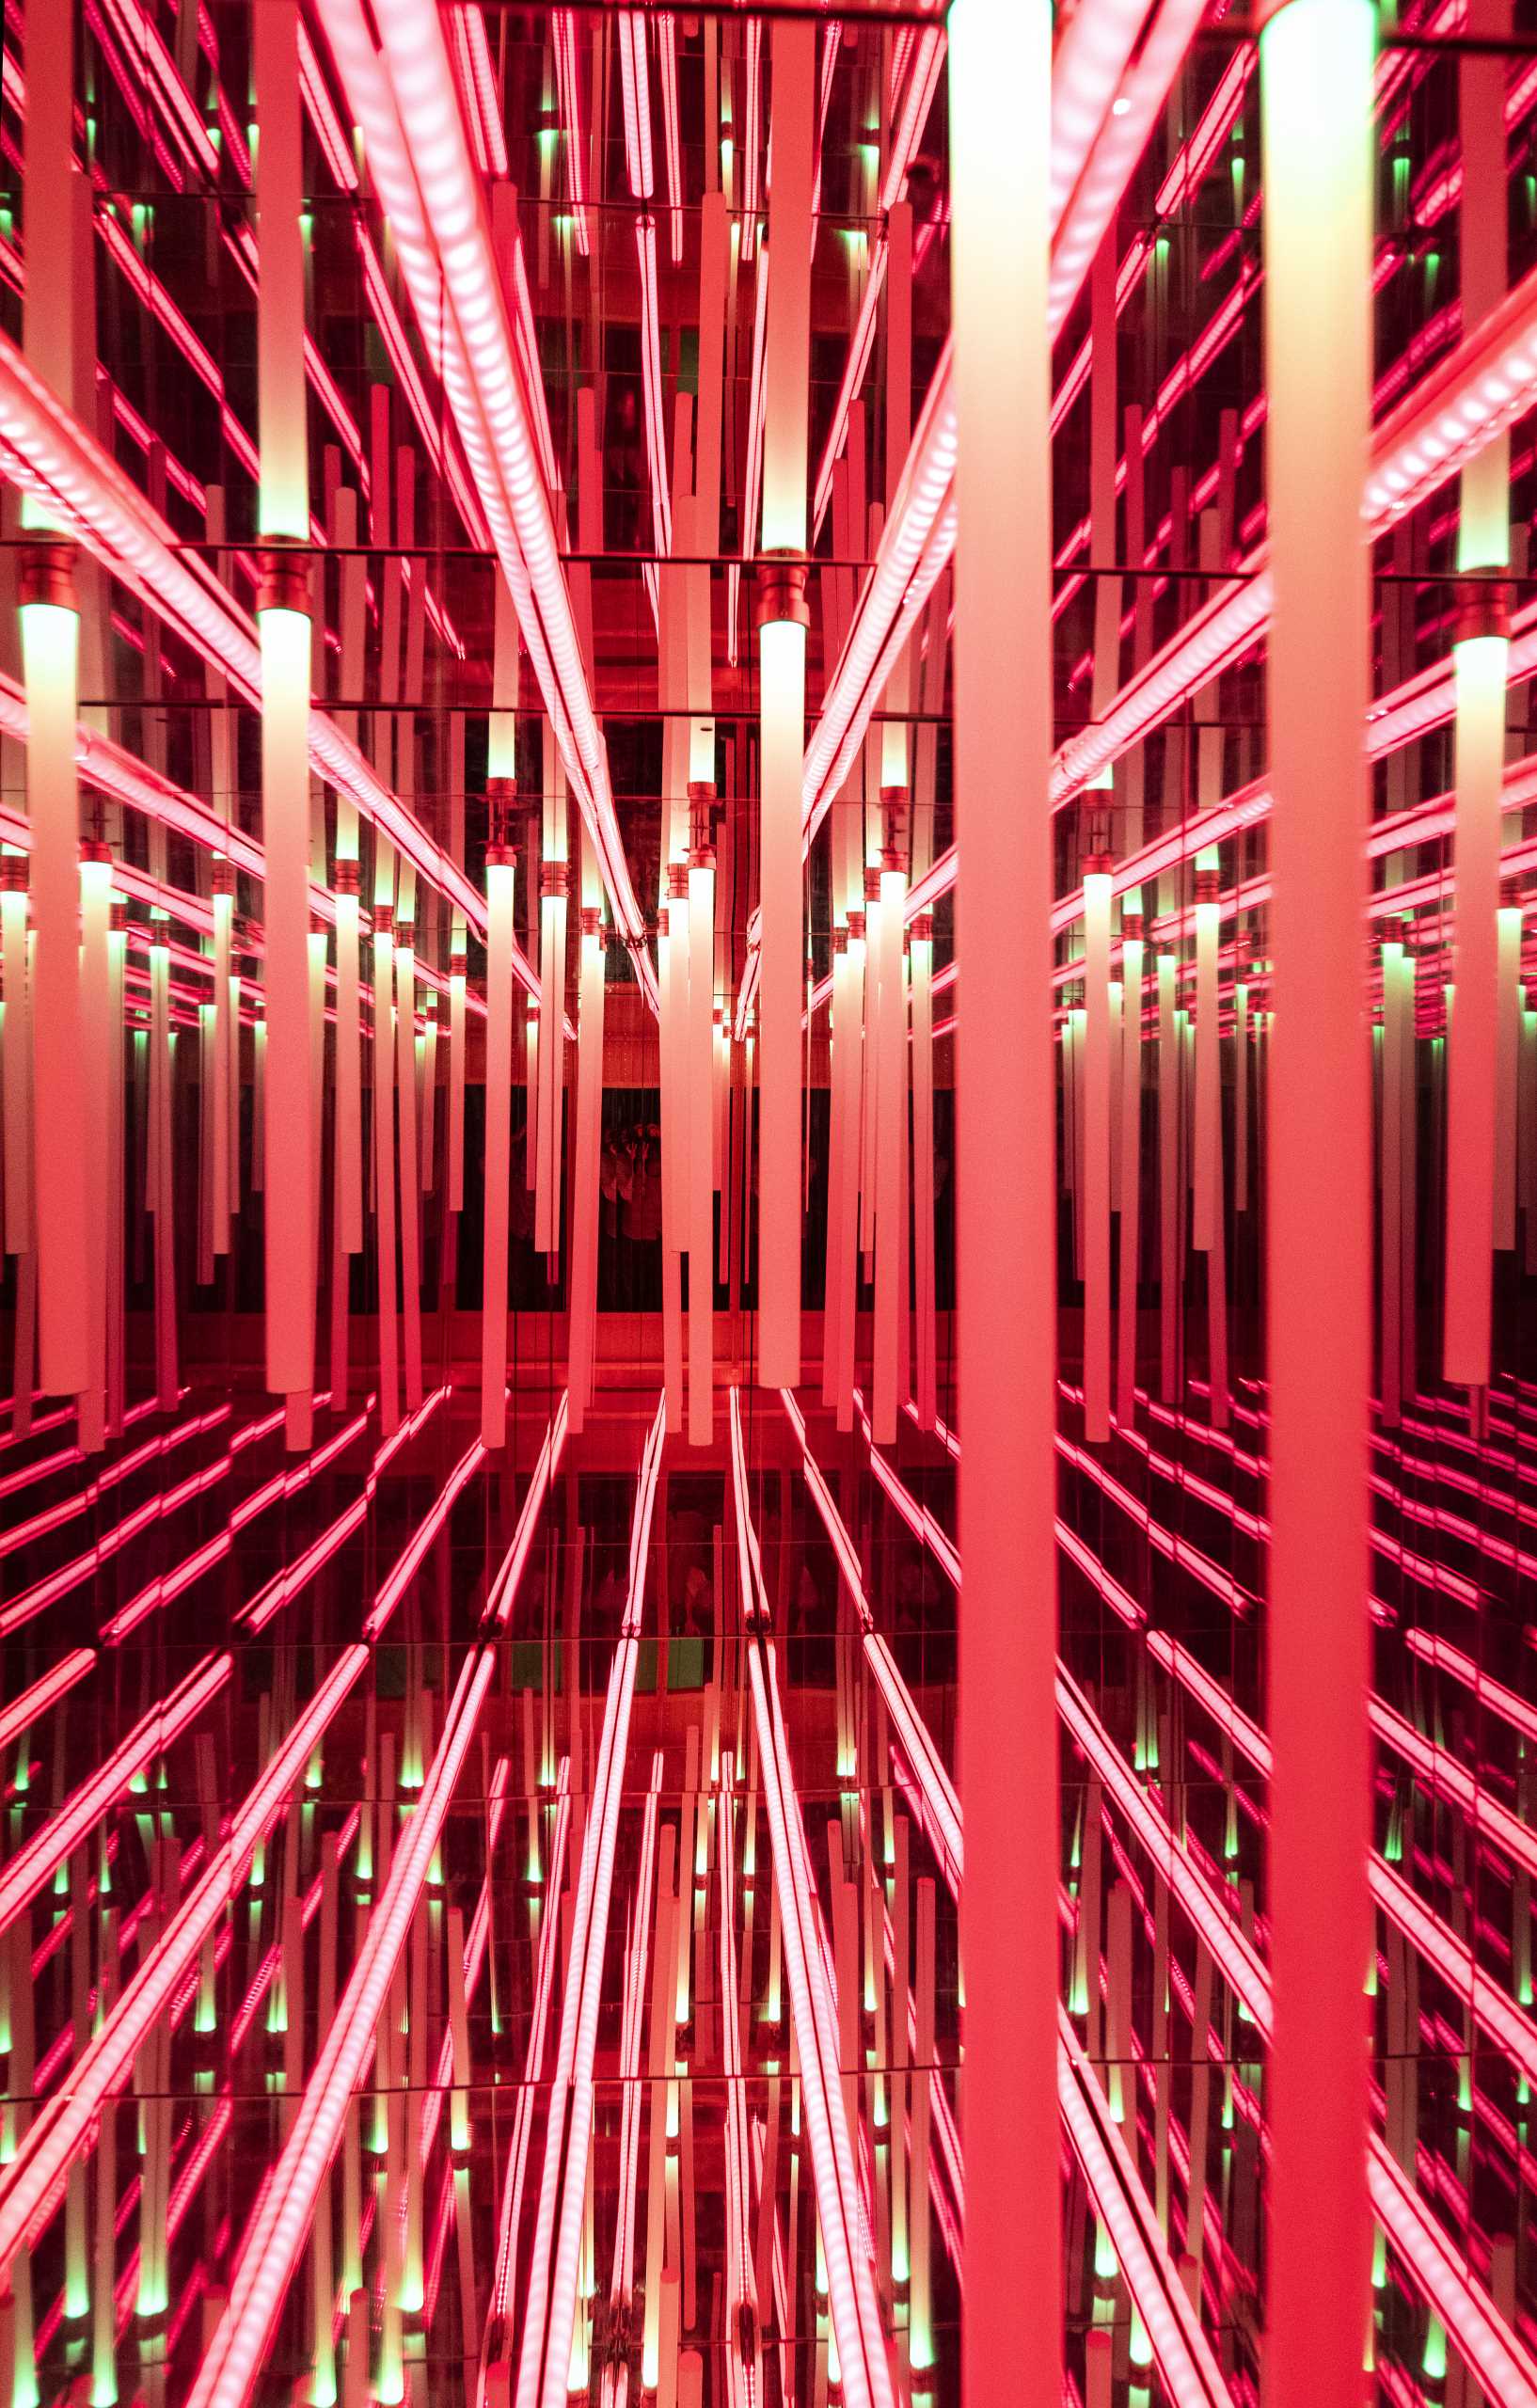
pixel 277 2232
pixel 494 2336
pixel 50 1844
pixel 406 100
pixel 861 2355
pixel 504 1595
pixel 1441 1771
pixel 1498 2359
pixel 32 2183
pixel 44 1692
pixel 550 2304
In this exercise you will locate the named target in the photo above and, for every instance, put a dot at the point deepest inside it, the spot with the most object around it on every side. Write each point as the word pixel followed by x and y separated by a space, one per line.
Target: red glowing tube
pixel 51 1518
pixel 1081 226
pixel 550 2304
pixel 445 251
pixel 46 1850
pixel 480 85
pixel 741 2288
pixel 929 57
pixel 44 1692
pixel 426 1533
pixel 1181 2348
pixel 277 2232
pixel 637 94
pixel 567 76
pixel 1497 2358
pixel 143 42
pixel 63 466
pixel 43 1593
pixel 851 2296
pixel 493 2338
pixel 499 1605
pixel 752 137
pixel 1086 74
pixel 1447 1658
pixel 1506 2025
pixel 32 2182
pixel 1443 1773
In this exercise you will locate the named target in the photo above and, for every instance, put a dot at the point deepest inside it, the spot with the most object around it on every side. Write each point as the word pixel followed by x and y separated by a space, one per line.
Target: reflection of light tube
pixel 891 1140
pixel 50 654
pixel 1481 662
pixel 500 883
pixel 1316 78
pixel 285 811
pixel 782 652
pixel 1094 1204
pixel 699 1073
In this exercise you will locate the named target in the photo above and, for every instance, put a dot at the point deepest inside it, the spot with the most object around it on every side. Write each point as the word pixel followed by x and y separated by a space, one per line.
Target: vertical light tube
pixel 1391 1176
pixel 551 1068
pixel 781 695
pixel 1316 93
pixel 160 1166
pixel 225 1101
pixel 349 1088
pixel 1094 1203
pixel 115 1333
pixel 926 1386
pixel 50 654
pixel 585 1204
pixel 500 883
pixel 891 1229
pixel 700 1079
pixel 1006 1237
pixel 283 622
pixel 17 1055
pixel 1131 1152
pixel 93 1070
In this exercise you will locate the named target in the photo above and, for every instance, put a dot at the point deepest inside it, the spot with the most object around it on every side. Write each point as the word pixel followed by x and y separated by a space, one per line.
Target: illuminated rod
pixel 31 2186
pixel 277 2232
pixel 406 102
pixel 83 1500
pixel 1180 2347
pixel 50 626
pixel 1447 1658
pixel 622 2282
pixel 743 2374
pixel 32 1600
pixel 1495 2357
pixel 550 2301
pixel 667 46
pixel 751 136
pixel 1477 392
pixel 567 76
pixel 499 1605
pixel 49 1846
pixel 44 1692
pixel 1504 2022
pixel 500 883
pixel 164 1586
pixel 861 2355
pixel 495 2337
pixel 54 458
pixel 1444 1774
